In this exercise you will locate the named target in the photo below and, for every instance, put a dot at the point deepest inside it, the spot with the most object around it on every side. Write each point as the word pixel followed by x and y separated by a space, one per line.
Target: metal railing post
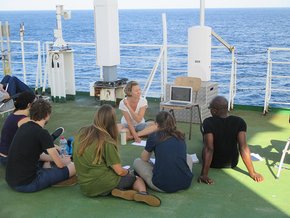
pixel 8 69
pixel 232 81
pixel 268 83
pixel 21 31
pixel 152 74
pixel 164 62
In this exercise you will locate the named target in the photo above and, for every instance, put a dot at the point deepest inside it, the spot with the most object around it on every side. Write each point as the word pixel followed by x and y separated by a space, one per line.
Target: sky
pixel 138 4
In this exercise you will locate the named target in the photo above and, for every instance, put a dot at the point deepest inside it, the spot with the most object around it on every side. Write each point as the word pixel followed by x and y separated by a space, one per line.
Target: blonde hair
pixel 103 130
pixel 129 86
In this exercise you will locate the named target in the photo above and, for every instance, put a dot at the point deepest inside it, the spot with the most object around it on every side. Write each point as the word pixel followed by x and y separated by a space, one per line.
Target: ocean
pixel 251 31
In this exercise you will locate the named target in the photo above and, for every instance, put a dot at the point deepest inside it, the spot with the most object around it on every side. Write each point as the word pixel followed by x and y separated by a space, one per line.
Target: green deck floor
pixel 234 194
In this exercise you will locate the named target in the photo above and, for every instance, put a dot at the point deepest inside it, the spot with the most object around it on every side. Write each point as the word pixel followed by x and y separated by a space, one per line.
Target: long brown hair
pixel 103 130
pixel 167 126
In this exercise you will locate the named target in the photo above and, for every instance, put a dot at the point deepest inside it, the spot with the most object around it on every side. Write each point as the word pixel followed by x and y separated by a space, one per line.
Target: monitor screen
pixel 179 93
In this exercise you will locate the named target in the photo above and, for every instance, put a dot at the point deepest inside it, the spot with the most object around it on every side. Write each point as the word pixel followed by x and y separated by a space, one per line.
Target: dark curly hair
pixel 40 109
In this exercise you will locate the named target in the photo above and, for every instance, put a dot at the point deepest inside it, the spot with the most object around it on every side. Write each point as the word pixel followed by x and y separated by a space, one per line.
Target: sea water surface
pixel 251 31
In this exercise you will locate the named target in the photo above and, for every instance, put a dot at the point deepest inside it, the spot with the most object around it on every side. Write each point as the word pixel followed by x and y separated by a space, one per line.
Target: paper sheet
pixel 256 157
pixel 152 160
pixel 194 158
pixel 142 143
pixel 126 167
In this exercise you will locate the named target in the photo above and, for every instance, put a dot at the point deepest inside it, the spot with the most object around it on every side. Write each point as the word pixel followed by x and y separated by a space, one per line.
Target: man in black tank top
pixel 224 139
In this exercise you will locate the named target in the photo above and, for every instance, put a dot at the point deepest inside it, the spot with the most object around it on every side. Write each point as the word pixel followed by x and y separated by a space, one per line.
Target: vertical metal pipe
pixel 164 71
pixel 201 11
pixel 2 46
pixel 232 82
pixel 59 10
pixel 48 61
pixel 22 51
pixel 38 80
pixel 268 82
pixel 7 69
pixel 101 73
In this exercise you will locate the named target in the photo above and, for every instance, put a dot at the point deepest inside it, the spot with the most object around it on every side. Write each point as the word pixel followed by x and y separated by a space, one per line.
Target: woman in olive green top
pixel 98 163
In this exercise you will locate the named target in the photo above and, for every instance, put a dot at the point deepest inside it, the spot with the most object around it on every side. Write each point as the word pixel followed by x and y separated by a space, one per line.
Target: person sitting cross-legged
pixel 97 159
pixel 224 139
pixel 23 171
pixel 133 108
pixel 172 170
pixel 19 116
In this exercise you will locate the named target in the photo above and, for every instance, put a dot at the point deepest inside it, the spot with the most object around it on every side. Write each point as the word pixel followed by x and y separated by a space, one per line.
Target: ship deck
pixel 234 193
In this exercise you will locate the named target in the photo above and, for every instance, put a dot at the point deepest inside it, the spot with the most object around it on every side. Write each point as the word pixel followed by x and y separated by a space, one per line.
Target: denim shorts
pixel 44 178
pixel 126 182
pixel 138 127
pixel 3 161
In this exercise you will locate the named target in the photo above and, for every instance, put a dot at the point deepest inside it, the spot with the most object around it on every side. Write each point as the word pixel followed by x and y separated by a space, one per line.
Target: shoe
pixel 57 133
pixel 148 199
pixel 125 194
pixel 68 182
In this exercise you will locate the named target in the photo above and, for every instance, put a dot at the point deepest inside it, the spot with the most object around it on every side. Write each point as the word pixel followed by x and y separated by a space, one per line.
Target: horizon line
pixel 265 7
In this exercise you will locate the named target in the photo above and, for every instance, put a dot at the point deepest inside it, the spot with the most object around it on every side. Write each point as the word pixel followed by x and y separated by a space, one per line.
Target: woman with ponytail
pixel 172 169
pixel 98 164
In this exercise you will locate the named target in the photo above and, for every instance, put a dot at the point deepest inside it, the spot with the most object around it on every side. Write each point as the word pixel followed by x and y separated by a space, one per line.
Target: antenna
pixel 59 41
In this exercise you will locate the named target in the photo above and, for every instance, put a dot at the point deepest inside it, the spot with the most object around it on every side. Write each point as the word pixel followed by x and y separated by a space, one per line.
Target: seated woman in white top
pixel 133 108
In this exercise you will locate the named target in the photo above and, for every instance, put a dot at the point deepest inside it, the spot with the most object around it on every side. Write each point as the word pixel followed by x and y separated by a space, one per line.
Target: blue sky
pixel 139 4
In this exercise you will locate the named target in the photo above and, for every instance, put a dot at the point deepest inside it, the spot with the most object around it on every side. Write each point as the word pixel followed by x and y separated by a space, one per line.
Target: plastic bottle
pixel 62 145
pixel 69 145
pixel 123 137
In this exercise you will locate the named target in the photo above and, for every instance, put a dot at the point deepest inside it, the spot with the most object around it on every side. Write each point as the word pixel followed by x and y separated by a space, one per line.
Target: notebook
pixel 180 95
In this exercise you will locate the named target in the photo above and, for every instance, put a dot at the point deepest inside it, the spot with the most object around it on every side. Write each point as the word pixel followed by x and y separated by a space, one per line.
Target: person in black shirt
pixel 23 172
pixel 224 139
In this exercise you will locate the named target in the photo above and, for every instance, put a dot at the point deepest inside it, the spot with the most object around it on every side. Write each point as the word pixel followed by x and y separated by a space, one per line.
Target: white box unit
pixel 61 75
pixel 199 52
pixel 207 92
pixel 107 32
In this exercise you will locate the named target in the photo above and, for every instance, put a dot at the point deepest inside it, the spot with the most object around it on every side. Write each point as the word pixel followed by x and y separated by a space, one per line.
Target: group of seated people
pixel 96 156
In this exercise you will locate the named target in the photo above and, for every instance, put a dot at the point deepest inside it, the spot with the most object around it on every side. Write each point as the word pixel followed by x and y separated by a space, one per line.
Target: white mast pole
pixel 202 9
pixel 164 71
pixel 22 51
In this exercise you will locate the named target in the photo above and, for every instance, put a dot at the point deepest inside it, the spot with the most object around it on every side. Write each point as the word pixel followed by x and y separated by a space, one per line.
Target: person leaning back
pixel 224 139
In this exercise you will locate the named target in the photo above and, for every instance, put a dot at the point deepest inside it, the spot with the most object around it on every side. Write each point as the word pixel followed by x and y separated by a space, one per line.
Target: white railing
pixel 156 68
pixel 281 77
pixel 158 61
pixel 27 57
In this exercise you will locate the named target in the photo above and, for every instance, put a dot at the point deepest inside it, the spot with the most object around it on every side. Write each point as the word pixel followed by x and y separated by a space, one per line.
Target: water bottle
pixel 123 137
pixel 62 145
pixel 69 145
